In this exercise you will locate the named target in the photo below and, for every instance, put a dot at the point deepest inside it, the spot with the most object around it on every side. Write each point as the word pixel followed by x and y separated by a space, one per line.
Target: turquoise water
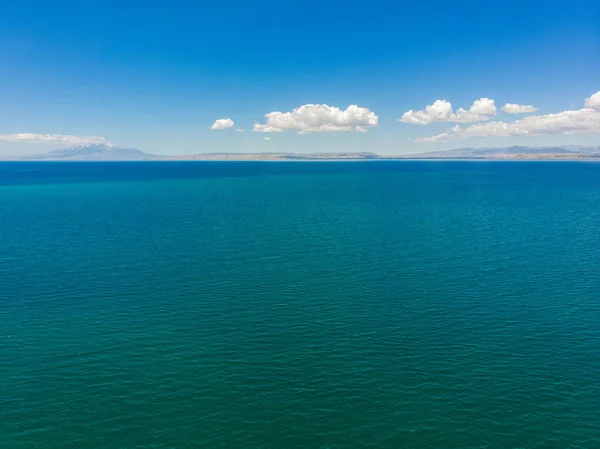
pixel 316 305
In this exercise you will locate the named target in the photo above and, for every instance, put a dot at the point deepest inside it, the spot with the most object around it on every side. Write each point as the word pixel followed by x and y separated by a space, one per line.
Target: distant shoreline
pixel 525 158
pixel 101 152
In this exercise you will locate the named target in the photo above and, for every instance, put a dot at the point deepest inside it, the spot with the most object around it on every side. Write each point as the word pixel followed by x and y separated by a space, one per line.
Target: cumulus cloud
pixel 593 102
pixel 267 138
pixel 319 118
pixel 483 106
pixel 514 108
pixel 586 120
pixel 222 123
pixel 52 138
pixel 441 111
pixel 239 130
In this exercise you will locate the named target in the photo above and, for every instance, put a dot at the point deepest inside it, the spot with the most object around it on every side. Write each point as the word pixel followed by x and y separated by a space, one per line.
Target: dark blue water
pixel 275 304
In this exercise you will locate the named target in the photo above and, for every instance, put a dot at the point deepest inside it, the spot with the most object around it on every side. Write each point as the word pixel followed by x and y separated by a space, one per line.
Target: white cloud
pixel 586 120
pixel 267 138
pixel 266 129
pixel 319 118
pixel 239 130
pixel 51 138
pixel 514 108
pixel 593 102
pixel 483 106
pixel 222 123
pixel 441 111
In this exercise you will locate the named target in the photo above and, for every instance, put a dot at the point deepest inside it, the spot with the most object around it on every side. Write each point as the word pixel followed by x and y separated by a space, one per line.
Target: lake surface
pixel 382 304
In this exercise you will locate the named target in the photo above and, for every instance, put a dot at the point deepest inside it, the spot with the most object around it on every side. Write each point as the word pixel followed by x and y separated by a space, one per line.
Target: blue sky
pixel 156 76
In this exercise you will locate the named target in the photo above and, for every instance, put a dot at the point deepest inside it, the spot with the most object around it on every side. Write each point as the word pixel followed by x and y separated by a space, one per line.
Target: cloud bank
pixel 319 118
pixel 52 138
pixel 441 111
pixel 222 123
pixel 586 120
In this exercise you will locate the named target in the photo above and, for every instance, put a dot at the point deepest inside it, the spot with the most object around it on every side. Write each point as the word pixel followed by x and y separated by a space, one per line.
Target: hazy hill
pixel 96 152
pixel 511 152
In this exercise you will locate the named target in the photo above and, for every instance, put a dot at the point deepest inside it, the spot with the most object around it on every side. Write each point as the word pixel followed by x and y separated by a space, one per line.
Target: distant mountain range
pixel 96 152
pixel 108 152
pixel 514 152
